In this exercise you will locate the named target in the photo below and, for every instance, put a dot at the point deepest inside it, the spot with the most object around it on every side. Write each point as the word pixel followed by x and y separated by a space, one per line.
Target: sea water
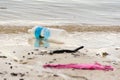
pixel 27 12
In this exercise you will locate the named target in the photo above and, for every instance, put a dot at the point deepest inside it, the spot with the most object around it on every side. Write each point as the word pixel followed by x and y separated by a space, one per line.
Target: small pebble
pixel 22 74
pixel 14 74
pixel 50 61
pixel 1 73
pixel 14 52
pixel 55 75
pixel 4 79
pixel 15 60
pixel 9 63
pixel 5 62
pixel 104 54
pixel 36 49
pixel 76 55
pixel 27 72
pixel 32 52
pixel 97 54
pixel 23 56
pixel 54 59
pixel 28 53
pixel 115 63
pixel 11 67
pixel 116 48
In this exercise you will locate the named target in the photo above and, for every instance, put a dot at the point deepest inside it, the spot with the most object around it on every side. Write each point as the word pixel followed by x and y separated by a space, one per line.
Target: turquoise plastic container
pixel 41 31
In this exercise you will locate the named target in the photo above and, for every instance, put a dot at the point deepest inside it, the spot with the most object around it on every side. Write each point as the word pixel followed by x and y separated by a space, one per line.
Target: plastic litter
pixel 40 32
pixel 58 35
pixel 95 66
pixel 51 34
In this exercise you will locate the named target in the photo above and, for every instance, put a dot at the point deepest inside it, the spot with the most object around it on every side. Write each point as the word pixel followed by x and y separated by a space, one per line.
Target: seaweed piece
pixel 66 50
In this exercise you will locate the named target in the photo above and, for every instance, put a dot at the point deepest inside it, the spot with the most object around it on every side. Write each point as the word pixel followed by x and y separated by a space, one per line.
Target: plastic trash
pixel 95 66
pixel 39 32
pixel 58 35
pixel 51 34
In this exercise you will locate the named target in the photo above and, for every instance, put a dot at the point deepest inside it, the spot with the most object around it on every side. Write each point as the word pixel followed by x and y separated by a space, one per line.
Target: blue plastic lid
pixel 39 30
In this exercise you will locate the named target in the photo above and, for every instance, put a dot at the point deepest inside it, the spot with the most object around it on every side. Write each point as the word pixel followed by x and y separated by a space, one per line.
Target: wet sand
pixel 69 28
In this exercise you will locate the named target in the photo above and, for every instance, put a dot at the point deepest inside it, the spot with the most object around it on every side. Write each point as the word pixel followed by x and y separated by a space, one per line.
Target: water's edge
pixel 70 28
pixel 104 12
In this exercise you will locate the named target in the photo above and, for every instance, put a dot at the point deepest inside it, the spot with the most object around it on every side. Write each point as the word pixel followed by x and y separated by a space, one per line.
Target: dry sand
pixel 25 63
pixel 21 61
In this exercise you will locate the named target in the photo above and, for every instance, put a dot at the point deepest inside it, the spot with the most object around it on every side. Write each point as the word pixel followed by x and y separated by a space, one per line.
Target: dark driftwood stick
pixel 66 51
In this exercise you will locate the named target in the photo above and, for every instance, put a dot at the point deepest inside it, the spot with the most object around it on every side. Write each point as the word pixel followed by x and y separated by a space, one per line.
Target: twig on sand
pixel 66 50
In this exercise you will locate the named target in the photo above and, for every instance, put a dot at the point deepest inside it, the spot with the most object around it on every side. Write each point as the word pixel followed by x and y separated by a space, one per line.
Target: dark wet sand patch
pixel 69 28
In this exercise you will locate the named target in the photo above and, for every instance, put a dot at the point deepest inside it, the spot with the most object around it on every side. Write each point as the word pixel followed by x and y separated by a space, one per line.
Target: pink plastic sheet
pixel 95 66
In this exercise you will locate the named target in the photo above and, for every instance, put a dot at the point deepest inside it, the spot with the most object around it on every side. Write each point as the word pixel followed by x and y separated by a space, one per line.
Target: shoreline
pixel 69 28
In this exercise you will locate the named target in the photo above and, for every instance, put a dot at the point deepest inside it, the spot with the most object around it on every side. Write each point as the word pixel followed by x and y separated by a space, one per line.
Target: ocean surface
pixel 28 12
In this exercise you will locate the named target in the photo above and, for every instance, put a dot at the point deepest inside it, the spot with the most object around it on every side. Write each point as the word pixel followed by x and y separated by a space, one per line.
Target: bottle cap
pixel 41 31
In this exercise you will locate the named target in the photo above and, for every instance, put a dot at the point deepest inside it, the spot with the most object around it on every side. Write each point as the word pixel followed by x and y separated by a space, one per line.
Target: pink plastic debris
pixel 95 66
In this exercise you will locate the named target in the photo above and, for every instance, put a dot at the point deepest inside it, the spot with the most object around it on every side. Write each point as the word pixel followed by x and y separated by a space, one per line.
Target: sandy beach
pixel 20 60
pixel 89 44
